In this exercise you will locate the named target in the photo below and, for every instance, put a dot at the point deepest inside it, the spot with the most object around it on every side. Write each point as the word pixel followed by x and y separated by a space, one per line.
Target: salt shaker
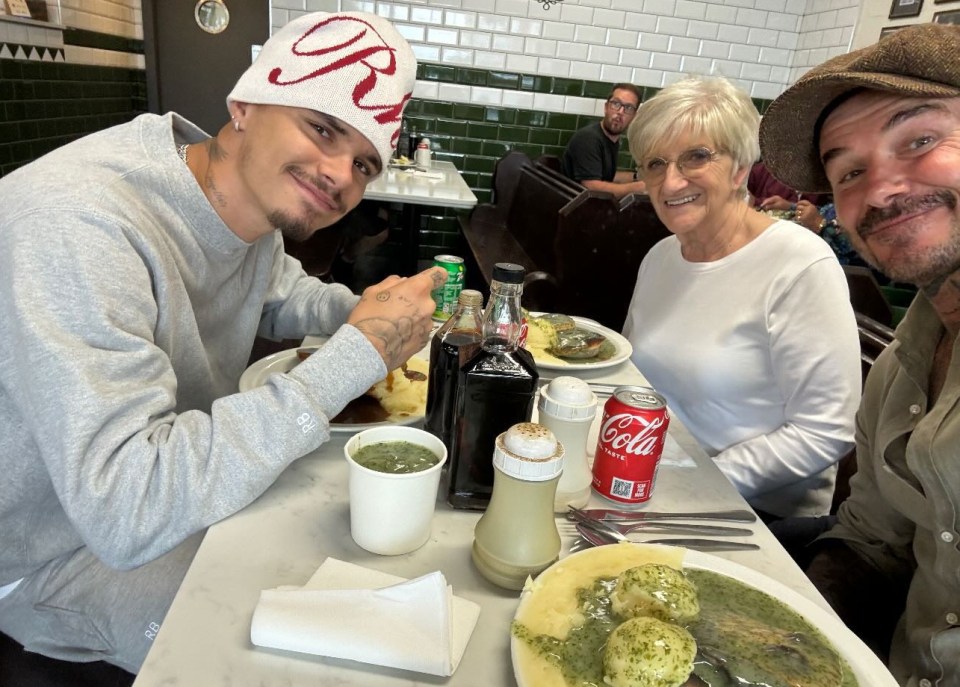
pixel 423 153
pixel 567 408
pixel 517 535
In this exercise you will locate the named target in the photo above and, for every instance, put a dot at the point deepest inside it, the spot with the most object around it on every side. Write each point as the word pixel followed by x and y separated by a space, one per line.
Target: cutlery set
pixel 600 526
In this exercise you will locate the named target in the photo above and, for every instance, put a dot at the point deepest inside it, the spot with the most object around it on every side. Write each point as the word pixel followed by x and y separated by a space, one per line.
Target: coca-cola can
pixel 630 443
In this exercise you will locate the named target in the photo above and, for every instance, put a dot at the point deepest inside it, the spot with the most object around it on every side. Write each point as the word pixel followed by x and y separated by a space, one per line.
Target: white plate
pixel 284 361
pixel 869 670
pixel 623 349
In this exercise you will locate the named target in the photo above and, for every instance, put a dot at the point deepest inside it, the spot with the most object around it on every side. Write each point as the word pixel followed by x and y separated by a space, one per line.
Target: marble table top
pixel 303 518
pixel 440 185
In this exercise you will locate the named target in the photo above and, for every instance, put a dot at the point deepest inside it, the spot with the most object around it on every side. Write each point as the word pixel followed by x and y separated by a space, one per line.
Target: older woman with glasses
pixel 744 323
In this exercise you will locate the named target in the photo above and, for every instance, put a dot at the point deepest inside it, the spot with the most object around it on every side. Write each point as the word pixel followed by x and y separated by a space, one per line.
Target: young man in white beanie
pixel 136 267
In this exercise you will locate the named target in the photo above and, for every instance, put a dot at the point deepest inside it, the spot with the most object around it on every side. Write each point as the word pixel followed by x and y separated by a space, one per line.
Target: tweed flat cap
pixel 919 61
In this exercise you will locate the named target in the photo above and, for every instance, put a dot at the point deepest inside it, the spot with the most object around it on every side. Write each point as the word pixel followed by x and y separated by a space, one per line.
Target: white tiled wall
pixel 115 17
pixel 764 45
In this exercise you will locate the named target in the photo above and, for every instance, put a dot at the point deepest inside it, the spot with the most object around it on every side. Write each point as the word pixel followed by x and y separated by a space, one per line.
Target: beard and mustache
pixel 917 266
pixel 300 228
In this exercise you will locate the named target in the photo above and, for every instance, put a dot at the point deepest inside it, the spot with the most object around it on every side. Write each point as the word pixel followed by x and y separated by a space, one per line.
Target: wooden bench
pixel 520 226
pixel 600 245
pixel 581 248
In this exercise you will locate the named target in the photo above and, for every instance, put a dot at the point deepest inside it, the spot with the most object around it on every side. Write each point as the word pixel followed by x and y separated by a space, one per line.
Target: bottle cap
pixel 424 143
pixel 568 398
pixel 508 273
pixel 470 297
pixel 530 452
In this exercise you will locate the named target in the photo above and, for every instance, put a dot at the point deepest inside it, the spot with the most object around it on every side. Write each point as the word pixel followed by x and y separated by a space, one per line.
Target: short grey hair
pixel 700 106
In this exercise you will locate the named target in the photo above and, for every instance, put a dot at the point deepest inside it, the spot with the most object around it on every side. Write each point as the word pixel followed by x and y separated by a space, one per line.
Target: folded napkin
pixel 347 611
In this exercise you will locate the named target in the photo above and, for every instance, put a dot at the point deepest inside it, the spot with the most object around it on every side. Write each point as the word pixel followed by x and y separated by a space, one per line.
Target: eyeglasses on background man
pixel 617 106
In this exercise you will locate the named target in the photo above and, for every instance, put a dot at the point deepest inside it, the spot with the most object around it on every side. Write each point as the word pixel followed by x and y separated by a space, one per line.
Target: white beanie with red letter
pixel 351 65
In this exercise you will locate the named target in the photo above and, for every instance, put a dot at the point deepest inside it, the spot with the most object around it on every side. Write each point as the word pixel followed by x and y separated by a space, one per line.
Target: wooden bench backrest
pixel 506 174
pixel 533 214
pixel 600 245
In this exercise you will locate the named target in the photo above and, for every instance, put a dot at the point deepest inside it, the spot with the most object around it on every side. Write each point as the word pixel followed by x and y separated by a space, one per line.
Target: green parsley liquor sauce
pixel 735 620
pixel 395 457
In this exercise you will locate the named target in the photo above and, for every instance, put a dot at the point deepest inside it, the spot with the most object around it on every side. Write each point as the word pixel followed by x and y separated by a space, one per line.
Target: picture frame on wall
pixel 887 30
pixel 905 8
pixel 947 17
pixel 18 8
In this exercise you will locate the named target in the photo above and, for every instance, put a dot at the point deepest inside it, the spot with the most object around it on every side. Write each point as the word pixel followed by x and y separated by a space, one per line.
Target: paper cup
pixel 391 514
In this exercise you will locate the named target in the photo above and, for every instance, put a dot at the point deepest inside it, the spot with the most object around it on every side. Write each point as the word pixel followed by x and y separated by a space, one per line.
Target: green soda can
pixel 447 295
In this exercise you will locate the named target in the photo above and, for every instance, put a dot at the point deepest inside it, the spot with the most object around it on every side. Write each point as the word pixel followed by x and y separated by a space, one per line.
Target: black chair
pixel 866 295
pixel 19 668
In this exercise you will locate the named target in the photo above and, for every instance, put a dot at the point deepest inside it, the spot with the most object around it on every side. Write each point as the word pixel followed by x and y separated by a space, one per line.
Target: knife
pixel 597 538
pixel 637 516
pixel 658 527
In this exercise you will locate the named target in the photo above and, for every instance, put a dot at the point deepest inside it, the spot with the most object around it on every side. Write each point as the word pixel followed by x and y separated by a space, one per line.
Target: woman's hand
pixel 776 203
pixel 809 216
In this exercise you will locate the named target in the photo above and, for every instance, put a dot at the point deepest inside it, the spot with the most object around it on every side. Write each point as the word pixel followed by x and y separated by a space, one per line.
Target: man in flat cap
pixel 880 128
pixel 137 265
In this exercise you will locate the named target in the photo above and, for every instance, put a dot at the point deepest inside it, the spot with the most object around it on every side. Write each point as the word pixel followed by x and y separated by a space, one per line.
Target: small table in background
pixel 440 186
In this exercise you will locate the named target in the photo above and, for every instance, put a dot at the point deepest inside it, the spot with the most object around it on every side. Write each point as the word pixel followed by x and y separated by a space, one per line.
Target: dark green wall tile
pixel 544 136
pixel 500 115
pixel 531 118
pixel 480 164
pixel 515 134
pixel 52 104
pixel 556 120
pixel 472 77
pixel 596 89
pixel 496 149
pixel 473 113
pixel 567 87
pixel 484 132
pixel 503 80
pixel 437 72
pixel 451 127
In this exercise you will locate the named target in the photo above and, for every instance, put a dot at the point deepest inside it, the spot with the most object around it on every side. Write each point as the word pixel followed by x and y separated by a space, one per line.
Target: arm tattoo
pixel 392 335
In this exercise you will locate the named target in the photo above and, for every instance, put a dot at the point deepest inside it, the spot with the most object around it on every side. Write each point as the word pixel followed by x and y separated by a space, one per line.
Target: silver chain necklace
pixel 182 152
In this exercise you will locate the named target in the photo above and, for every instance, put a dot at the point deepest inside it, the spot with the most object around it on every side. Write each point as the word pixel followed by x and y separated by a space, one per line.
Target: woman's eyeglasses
pixel 690 163
pixel 616 106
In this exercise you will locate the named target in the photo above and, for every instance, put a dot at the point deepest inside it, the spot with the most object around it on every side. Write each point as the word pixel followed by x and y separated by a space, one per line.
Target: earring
pixel 236 125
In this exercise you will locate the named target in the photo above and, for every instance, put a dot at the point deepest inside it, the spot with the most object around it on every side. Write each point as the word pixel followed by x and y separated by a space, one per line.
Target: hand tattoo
pixel 438 279
pixel 383 296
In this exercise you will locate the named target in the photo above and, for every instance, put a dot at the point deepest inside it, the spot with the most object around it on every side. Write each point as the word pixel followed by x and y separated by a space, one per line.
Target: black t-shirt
pixel 590 155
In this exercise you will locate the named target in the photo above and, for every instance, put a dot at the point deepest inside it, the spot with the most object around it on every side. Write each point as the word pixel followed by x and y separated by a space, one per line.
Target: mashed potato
pixel 401 396
pixel 549 605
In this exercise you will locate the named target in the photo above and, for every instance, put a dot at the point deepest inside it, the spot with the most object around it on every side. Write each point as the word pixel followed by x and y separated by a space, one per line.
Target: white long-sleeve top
pixel 758 355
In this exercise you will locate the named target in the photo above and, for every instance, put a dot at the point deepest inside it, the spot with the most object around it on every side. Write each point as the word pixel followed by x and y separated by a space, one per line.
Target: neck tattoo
pixel 182 152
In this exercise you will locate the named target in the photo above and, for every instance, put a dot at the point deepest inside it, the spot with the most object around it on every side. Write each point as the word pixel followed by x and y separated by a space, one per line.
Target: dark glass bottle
pixel 456 342
pixel 496 389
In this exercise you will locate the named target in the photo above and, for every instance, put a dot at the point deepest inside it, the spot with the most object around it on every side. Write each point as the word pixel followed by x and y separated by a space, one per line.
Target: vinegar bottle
pixel 452 345
pixel 495 391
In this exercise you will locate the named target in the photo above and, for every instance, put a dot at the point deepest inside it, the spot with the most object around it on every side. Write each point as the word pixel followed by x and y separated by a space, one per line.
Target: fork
pixel 662 527
pixel 592 537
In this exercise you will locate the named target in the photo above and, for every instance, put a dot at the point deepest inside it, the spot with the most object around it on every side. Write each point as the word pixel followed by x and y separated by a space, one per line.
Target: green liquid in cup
pixel 395 457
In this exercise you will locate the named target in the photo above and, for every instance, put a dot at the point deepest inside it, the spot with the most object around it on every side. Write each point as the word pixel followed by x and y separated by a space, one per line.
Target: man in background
pixel 880 128
pixel 137 265
pixel 591 154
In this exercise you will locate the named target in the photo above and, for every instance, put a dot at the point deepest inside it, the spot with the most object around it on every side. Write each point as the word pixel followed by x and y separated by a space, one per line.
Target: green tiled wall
pixel 44 105
pixel 474 137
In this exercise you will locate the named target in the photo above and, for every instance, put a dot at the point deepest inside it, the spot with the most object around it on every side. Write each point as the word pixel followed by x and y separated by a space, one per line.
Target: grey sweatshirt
pixel 128 310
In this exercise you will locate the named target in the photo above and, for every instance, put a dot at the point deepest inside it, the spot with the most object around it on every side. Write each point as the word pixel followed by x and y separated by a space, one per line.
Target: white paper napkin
pixel 347 611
